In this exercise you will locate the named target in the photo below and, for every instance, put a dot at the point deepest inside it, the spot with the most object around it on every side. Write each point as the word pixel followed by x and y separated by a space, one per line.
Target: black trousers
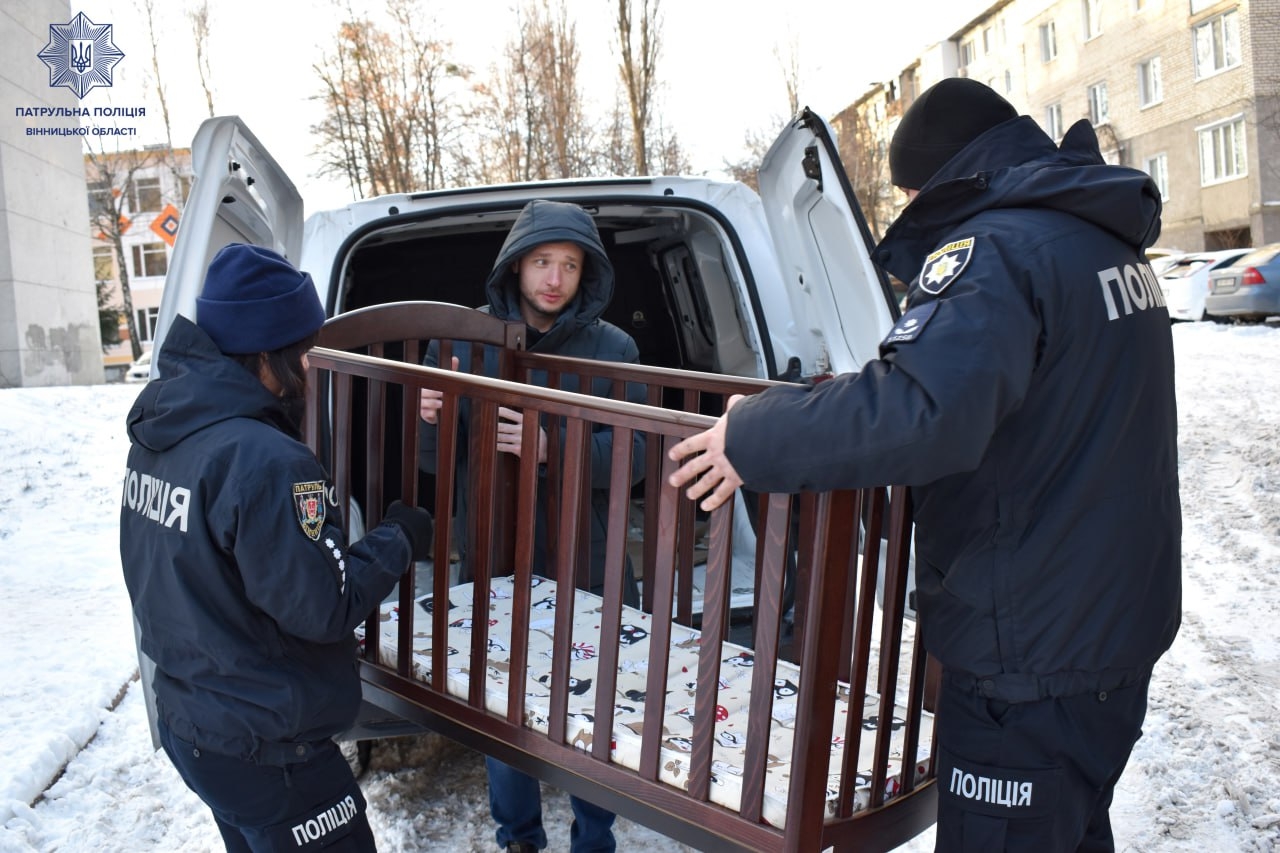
pixel 1032 776
pixel 263 807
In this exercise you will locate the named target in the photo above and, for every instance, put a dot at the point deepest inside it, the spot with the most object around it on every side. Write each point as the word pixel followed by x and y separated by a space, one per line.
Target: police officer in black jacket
pixel 244 588
pixel 1027 398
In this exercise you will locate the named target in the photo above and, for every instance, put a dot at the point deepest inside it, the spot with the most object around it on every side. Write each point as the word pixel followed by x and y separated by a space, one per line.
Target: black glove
pixel 417 525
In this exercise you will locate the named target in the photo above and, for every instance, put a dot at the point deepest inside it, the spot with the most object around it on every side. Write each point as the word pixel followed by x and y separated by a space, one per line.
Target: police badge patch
pixel 945 265
pixel 910 324
pixel 308 499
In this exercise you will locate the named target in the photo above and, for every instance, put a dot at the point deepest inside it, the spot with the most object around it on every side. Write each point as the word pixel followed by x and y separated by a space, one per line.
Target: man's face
pixel 549 278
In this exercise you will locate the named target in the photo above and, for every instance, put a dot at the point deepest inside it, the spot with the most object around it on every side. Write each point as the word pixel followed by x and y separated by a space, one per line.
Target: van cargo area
pixel 674 289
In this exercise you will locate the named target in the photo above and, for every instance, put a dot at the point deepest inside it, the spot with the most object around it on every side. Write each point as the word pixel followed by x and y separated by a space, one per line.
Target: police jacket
pixel 1027 397
pixel 243 585
pixel 579 332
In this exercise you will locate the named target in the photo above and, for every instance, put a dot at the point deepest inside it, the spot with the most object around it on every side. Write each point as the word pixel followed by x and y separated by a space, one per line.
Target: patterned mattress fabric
pixel 731 711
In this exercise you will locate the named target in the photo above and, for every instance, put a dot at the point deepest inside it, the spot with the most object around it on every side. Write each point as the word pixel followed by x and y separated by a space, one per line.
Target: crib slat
pixel 776 523
pixel 446 480
pixel 715 622
pixel 660 636
pixel 611 610
pixel 526 509
pixel 575 447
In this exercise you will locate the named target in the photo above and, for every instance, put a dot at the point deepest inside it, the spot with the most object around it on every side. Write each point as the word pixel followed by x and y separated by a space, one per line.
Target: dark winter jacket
pixel 1027 396
pixel 579 332
pixel 243 585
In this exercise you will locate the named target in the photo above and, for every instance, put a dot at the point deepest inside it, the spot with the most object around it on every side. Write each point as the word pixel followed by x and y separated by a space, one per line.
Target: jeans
pixel 262 807
pixel 515 801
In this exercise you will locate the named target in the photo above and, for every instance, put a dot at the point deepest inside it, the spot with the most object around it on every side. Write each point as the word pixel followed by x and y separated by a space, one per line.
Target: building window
pixel 1008 82
pixel 1053 121
pixel 104 263
pixel 1217 44
pixel 1048 42
pixel 967 54
pixel 1158 168
pixel 1092 12
pixel 1150 87
pixel 150 259
pixel 147 323
pixel 144 195
pixel 100 200
pixel 1138 5
pixel 987 44
pixel 1222 154
pixel 1099 112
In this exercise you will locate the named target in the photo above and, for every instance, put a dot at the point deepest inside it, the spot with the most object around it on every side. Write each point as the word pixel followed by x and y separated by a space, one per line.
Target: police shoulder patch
pixel 910 324
pixel 944 265
pixel 309 501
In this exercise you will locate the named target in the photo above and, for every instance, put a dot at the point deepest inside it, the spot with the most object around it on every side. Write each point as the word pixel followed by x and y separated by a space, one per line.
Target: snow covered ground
pixel 77 771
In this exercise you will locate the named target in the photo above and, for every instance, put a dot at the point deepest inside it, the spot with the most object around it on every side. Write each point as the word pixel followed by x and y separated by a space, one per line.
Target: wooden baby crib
pixel 747 745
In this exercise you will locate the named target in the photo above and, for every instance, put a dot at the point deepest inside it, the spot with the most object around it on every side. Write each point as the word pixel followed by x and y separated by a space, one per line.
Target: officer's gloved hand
pixel 417 525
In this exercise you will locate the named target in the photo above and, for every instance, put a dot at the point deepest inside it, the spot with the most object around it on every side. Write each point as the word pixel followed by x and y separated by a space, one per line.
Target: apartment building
pixel 1187 90
pixel 135 205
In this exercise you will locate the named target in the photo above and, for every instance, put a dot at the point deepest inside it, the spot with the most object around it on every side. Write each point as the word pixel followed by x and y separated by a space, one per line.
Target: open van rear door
pixel 240 195
pixel 824 246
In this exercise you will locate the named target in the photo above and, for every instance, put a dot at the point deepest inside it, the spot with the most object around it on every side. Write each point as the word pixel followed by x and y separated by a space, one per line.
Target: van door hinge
pixel 812 165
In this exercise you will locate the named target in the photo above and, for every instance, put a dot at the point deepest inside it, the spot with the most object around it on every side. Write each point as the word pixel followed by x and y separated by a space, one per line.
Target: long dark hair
pixel 285 365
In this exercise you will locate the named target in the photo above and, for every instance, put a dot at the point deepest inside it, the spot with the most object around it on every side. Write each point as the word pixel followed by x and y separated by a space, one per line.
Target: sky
pixel 720 76
pixel 78 773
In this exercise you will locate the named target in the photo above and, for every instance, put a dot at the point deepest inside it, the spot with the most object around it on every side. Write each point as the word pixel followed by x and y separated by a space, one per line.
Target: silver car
pixel 1249 290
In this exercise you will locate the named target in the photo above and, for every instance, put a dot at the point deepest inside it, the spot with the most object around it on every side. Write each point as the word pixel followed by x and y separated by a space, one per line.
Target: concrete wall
pixel 49 331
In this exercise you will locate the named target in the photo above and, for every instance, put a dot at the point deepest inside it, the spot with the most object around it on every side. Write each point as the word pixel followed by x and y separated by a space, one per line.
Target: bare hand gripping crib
pixel 749 745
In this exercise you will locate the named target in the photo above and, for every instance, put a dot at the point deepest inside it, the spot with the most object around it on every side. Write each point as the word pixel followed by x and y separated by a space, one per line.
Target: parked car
pixel 1185 281
pixel 140 370
pixel 1250 289
pixel 1160 258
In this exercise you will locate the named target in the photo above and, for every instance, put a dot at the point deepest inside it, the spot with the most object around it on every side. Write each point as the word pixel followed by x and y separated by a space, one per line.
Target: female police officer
pixel 245 591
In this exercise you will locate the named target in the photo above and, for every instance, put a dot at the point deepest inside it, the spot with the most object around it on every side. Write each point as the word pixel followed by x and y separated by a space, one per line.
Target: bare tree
pixel 388 125
pixel 789 62
pixel 865 156
pixel 746 169
pixel 199 17
pixel 639 44
pixel 148 8
pixel 111 192
pixel 530 112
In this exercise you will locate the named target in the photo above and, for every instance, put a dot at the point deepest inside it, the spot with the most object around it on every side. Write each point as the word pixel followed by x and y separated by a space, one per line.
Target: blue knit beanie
pixel 256 301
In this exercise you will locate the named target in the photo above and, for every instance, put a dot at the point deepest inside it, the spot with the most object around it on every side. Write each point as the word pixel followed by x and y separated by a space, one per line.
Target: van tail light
pixel 1252 276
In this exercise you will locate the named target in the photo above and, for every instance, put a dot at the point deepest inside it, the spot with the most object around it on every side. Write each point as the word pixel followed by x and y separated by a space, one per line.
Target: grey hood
pixel 553 222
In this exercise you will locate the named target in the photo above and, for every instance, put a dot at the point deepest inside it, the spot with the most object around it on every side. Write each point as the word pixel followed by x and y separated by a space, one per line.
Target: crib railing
pixel 814 600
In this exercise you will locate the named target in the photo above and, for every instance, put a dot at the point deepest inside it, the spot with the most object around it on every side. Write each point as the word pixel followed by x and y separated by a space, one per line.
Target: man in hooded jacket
pixel 1027 398
pixel 553 274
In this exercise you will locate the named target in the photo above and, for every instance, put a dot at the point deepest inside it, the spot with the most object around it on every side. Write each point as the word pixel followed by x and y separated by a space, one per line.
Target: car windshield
pixel 1261 256
pixel 1185 267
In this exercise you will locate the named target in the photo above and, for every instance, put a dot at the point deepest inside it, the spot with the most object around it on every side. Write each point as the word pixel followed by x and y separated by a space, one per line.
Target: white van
pixel 710 275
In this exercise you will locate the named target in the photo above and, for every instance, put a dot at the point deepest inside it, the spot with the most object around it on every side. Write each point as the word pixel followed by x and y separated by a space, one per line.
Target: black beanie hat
pixel 256 301
pixel 944 119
